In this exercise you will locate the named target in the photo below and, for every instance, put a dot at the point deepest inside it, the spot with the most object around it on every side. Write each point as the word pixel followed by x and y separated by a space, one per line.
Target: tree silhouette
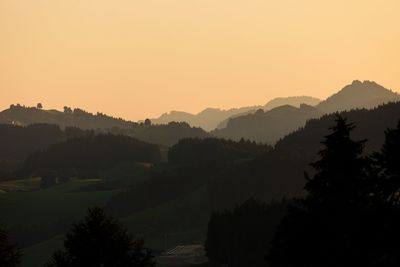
pixel 334 224
pixel 386 175
pixel 39 106
pixel 147 122
pixel 387 163
pixel 100 240
pixel 9 254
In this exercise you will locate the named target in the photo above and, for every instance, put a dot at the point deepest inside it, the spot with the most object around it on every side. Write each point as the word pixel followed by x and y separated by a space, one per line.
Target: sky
pixel 140 58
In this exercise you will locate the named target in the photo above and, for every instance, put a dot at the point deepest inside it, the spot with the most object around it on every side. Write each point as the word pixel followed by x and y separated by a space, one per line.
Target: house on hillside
pixel 183 255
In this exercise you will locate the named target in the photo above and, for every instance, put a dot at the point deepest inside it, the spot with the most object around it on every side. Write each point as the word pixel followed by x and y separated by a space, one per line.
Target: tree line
pixel 350 215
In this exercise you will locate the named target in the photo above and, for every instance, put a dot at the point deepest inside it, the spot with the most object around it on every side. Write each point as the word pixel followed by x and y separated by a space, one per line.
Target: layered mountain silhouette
pixel 23 116
pixel 272 125
pixel 269 126
pixel 294 101
pixel 166 135
pixel 212 118
pixel 207 119
pixel 280 173
pixel 266 124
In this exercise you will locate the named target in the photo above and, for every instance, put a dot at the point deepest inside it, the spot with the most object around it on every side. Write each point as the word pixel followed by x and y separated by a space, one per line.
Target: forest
pixel 322 195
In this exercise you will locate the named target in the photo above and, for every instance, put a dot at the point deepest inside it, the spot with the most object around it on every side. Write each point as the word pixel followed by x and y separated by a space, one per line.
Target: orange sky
pixel 140 58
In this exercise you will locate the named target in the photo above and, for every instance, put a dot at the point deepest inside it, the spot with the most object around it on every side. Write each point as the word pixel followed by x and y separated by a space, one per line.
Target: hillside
pixel 182 195
pixel 213 118
pixel 366 94
pixel 294 101
pixel 207 119
pixel 21 115
pixel 269 126
pixel 272 125
pixel 164 134
pixel 280 172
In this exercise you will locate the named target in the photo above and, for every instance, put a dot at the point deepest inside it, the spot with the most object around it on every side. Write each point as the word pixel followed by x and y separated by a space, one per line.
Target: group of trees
pixel 18 142
pixel 193 150
pixel 351 213
pixel 349 216
pixel 85 157
pixel 98 240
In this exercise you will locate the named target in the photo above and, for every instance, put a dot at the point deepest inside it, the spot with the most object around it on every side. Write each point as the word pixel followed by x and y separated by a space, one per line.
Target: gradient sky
pixel 140 58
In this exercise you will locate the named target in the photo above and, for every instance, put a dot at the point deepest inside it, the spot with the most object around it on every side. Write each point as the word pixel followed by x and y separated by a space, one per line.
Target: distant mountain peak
pixel 358 94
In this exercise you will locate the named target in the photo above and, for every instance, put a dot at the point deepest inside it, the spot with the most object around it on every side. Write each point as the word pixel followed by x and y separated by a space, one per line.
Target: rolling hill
pixel 212 118
pixel 165 134
pixel 272 125
pixel 366 94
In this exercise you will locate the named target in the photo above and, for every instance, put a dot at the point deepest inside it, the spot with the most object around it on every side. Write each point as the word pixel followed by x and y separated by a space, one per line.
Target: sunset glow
pixel 137 59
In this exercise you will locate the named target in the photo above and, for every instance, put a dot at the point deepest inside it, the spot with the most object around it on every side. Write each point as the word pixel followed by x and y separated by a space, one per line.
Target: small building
pixel 183 256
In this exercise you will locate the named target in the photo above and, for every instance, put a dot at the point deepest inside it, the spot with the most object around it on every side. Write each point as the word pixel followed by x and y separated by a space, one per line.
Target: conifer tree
pixel 330 226
pixel 101 241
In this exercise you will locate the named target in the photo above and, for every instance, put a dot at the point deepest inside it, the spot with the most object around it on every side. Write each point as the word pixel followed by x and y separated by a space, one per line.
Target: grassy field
pixel 178 222
pixel 23 204
pixel 20 185
pixel 50 205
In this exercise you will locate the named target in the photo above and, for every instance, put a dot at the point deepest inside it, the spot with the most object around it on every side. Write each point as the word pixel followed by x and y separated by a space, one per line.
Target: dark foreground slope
pixel 171 205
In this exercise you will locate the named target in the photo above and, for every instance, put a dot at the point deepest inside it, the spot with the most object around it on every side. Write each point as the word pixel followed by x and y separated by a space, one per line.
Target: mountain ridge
pixel 357 95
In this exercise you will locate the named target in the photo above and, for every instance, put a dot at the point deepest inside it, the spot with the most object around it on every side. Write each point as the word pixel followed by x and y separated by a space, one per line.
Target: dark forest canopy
pixel 193 163
pixel 18 142
pixel 349 215
pixel 213 149
pixel 86 156
pixel 271 174
pixel 279 172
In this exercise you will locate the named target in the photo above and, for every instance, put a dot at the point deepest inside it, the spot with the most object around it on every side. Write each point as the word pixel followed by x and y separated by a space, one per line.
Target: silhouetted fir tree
pixel 9 253
pixel 386 174
pixel 334 225
pixel 101 241
pixel 387 163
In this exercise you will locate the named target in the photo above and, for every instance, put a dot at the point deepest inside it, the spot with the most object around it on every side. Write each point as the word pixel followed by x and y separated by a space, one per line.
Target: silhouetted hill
pixel 275 124
pixel 359 94
pixel 207 119
pixel 268 126
pixel 18 142
pixel 273 174
pixel 212 118
pixel 295 101
pixel 280 173
pixel 87 156
pixel 190 151
pixel 21 115
pixel 166 135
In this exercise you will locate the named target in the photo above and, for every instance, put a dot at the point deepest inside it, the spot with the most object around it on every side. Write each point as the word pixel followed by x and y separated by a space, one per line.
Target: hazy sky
pixel 139 58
